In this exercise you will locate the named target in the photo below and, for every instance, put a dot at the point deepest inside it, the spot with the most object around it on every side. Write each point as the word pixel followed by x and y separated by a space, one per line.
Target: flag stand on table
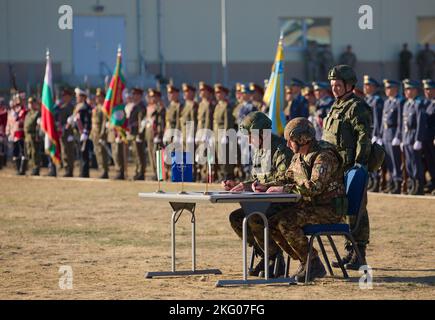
pixel 209 173
pixel 160 167
pixel 182 175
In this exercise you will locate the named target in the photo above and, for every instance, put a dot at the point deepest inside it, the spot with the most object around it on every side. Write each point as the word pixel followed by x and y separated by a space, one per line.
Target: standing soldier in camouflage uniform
pixel 223 120
pixel 348 126
pixel 66 123
pixel 376 103
pixel 99 134
pixel 154 127
pixel 83 123
pixel 267 165
pixel 316 173
pixel 32 136
pixel 205 120
pixel 135 133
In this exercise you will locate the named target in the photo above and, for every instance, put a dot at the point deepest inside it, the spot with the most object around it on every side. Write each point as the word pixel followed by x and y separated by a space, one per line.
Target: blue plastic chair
pixel 356 184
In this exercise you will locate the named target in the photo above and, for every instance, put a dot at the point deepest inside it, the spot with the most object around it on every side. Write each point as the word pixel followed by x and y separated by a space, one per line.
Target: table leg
pixel 246 281
pixel 178 209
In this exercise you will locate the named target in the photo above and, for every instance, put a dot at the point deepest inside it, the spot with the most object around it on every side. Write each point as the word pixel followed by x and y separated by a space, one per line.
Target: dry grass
pixel 111 238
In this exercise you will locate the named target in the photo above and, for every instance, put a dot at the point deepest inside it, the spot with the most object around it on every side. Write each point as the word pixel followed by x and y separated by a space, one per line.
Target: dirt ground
pixel 111 238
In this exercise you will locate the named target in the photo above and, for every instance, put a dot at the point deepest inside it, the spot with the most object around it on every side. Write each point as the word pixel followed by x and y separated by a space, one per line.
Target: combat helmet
pixel 344 73
pixel 300 130
pixel 255 121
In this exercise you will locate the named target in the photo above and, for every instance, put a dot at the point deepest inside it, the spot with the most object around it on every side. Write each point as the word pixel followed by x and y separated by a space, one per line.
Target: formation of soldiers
pixel 403 125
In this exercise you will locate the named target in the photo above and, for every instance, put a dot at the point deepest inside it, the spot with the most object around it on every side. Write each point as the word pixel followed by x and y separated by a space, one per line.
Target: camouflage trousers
pixel 362 233
pixel 255 236
pixel 286 227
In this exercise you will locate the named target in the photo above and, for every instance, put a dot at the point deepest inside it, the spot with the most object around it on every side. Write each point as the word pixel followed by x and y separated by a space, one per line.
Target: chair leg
pixel 355 247
pixel 251 262
pixel 325 256
pixel 340 262
pixel 287 267
pixel 307 266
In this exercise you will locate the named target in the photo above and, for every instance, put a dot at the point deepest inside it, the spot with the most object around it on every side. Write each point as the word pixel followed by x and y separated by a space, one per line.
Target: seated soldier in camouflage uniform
pixel 316 173
pixel 267 165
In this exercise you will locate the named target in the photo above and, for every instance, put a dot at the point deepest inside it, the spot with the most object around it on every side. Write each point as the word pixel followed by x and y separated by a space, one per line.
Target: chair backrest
pixel 355 181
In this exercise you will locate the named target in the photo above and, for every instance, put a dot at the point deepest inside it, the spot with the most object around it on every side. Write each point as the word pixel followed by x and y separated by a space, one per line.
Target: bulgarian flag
pixel 113 105
pixel 160 162
pixel 52 145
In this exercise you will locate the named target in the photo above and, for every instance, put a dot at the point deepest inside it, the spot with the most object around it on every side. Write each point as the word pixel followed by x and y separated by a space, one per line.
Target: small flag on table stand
pixel 160 167
pixel 209 173
pixel 182 168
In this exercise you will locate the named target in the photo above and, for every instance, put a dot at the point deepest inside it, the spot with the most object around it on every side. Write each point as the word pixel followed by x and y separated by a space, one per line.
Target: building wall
pixel 191 37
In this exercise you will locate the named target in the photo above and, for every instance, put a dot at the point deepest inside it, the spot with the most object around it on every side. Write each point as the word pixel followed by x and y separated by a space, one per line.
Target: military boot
pixel 23 167
pixel 317 270
pixel 139 177
pixel 375 185
pixel 35 172
pixel 346 258
pixel 120 176
pixel 396 187
pixel 105 175
pixel 355 263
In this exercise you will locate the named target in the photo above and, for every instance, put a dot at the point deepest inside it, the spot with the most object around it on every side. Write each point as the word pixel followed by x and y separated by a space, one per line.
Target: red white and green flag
pixel 52 145
pixel 160 162
pixel 114 107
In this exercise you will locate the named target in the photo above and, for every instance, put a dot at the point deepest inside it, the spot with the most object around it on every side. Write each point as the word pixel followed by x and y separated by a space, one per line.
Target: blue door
pixel 95 43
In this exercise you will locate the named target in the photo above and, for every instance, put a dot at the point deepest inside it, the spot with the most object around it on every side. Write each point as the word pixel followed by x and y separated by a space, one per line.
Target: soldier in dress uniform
pixel 83 124
pixel 135 133
pixel 99 134
pixel 297 105
pixel 429 141
pixel 257 97
pixel 239 99
pixel 374 100
pixel 154 126
pixel 19 114
pixel 32 135
pixel 323 105
pixel 223 120
pixel 66 127
pixel 390 133
pixel 413 132
pixel 205 121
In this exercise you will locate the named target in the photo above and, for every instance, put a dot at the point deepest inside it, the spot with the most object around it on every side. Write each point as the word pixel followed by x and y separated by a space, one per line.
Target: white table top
pixel 219 197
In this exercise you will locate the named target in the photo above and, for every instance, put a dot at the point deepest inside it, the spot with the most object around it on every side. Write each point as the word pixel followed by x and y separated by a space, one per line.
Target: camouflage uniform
pixel 99 137
pixel 281 157
pixel 33 140
pixel 318 177
pixel 348 127
pixel 67 143
pixel 136 137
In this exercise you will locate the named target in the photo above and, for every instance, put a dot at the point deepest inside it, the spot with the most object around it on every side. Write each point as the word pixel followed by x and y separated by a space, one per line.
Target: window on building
pixel 426 31
pixel 300 32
